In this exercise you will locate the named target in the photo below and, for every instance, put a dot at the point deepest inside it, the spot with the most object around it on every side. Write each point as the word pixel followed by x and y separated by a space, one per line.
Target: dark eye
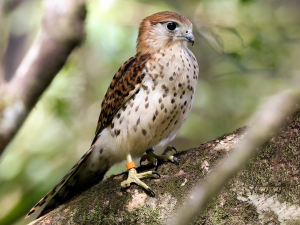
pixel 172 25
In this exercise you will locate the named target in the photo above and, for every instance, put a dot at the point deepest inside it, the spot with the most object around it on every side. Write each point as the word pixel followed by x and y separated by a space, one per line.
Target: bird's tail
pixel 67 187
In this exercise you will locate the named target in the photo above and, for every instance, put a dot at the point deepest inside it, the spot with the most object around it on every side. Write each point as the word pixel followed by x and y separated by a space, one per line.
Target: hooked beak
pixel 189 38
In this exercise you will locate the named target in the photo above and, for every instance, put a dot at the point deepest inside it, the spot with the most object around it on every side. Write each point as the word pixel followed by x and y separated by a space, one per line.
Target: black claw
pixel 156 164
pixel 151 191
pixel 174 148
pixel 156 173
pixel 176 160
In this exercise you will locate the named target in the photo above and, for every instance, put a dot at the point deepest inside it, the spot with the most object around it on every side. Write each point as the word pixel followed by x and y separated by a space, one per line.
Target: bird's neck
pixel 152 46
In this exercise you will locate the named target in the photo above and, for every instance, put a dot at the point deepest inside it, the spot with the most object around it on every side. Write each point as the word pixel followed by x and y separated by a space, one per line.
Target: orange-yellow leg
pixel 134 177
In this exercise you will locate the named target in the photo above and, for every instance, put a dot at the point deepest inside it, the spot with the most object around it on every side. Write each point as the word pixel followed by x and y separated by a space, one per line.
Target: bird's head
pixel 162 30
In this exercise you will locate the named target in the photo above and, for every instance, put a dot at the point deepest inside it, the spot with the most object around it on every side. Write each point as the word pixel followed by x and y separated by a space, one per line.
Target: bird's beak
pixel 189 38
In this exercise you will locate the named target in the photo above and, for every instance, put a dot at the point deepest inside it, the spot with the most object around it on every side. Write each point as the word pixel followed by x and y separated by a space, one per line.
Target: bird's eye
pixel 172 25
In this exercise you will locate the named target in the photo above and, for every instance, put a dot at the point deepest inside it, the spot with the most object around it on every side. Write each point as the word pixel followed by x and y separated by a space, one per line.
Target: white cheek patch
pixel 159 36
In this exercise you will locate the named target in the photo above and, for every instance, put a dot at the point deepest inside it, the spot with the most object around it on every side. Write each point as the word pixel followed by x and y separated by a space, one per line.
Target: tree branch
pixel 11 5
pixel 269 120
pixel 62 30
pixel 266 191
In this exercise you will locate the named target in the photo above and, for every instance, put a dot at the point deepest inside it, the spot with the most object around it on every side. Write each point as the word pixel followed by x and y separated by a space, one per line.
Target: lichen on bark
pixel 265 191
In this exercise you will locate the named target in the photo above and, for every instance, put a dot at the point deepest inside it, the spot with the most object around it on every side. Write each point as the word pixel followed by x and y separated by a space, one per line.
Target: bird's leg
pixel 153 158
pixel 134 177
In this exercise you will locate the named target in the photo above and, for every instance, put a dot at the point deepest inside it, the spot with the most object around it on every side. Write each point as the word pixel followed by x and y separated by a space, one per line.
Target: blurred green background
pixel 247 50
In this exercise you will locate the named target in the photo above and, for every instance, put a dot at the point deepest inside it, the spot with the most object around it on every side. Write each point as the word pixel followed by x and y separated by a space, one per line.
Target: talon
pixel 151 191
pixel 168 149
pixel 156 164
pixel 156 173
pixel 134 177
pixel 176 160
pixel 174 148
pixel 153 158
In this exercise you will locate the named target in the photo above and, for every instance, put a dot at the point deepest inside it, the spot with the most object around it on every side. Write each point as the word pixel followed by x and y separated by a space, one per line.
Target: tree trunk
pixel 266 191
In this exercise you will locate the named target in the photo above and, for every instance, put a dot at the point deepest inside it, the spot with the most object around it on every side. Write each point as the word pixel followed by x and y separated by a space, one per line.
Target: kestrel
pixel 145 105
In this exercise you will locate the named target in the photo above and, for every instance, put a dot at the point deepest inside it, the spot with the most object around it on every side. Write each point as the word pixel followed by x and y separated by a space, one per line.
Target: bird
pixel 145 105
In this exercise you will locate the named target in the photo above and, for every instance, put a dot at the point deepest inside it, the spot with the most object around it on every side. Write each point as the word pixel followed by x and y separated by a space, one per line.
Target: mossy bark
pixel 266 191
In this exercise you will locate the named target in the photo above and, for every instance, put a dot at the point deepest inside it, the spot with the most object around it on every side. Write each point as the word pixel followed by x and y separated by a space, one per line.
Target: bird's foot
pixel 153 158
pixel 134 177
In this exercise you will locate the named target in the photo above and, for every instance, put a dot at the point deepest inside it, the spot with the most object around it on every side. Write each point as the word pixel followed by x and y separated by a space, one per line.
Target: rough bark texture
pixel 266 191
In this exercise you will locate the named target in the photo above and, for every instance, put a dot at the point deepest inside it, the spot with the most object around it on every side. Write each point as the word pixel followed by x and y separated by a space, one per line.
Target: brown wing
pixel 124 85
